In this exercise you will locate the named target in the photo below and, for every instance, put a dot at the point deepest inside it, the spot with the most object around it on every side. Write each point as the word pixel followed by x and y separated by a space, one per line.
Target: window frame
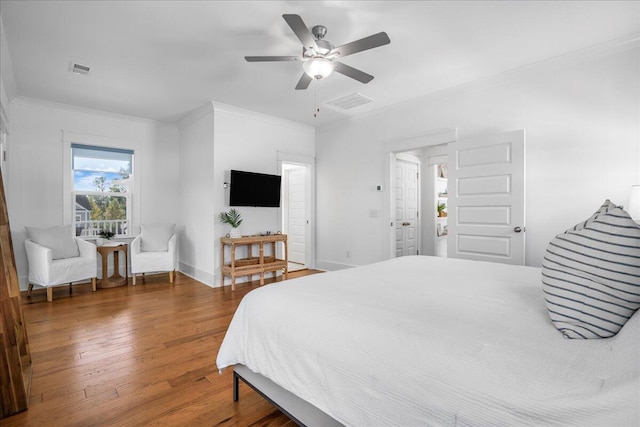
pixel 69 195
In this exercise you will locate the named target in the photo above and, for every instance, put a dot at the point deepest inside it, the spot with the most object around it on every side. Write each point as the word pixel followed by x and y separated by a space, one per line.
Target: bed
pixel 423 340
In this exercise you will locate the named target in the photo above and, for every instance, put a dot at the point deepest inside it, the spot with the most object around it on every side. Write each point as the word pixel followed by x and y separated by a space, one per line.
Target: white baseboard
pixel 200 275
pixel 331 266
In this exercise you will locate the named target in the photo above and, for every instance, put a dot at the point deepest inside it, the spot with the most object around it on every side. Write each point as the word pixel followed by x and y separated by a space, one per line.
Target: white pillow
pixel 155 237
pixel 59 239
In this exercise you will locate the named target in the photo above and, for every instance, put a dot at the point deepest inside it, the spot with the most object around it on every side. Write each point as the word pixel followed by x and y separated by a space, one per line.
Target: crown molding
pixel 41 103
pixel 195 115
pixel 230 109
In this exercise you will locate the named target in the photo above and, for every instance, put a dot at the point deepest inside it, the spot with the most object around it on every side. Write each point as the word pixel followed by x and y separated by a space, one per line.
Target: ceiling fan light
pixel 318 68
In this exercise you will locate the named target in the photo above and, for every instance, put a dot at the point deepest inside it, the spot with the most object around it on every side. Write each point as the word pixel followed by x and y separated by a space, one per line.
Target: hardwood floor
pixel 142 355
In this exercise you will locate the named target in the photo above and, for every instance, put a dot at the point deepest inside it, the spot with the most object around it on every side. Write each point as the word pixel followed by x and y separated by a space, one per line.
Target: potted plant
pixel 441 209
pixel 233 219
pixel 104 236
pixel 107 234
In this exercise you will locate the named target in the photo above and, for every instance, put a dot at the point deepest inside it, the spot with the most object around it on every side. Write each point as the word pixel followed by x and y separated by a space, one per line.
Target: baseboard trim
pixel 332 266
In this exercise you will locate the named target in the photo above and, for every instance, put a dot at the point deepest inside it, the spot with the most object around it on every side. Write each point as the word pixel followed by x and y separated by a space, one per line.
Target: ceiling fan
pixel 319 56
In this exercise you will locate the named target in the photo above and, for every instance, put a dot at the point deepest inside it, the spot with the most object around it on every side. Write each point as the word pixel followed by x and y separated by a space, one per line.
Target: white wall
pixel 7 92
pixel 218 138
pixel 35 157
pixel 583 146
pixel 196 195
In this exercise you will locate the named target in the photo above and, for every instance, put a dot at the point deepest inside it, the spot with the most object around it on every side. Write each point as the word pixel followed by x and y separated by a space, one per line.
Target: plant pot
pixel 235 232
pixel 100 241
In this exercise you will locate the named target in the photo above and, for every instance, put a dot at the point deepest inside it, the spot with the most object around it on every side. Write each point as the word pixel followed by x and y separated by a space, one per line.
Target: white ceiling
pixel 163 59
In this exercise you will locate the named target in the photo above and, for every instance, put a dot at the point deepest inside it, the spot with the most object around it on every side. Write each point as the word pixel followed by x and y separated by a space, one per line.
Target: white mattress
pixel 420 340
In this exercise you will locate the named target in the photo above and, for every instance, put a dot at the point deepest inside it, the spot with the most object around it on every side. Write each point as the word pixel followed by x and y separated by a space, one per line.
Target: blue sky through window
pixel 83 180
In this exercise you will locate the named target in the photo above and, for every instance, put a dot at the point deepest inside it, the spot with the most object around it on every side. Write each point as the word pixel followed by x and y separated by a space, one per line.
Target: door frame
pixel 391 149
pixel 309 163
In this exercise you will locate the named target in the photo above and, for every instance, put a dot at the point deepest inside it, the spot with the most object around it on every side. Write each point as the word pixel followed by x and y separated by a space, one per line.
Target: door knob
pixel 517 229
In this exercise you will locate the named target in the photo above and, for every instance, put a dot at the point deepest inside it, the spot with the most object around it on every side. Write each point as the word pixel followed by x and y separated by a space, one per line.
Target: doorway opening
pixel 420 219
pixel 426 147
pixel 297 213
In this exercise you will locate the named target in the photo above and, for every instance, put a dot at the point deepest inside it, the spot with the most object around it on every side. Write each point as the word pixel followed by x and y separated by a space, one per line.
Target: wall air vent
pixel 80 69
pixel 350 102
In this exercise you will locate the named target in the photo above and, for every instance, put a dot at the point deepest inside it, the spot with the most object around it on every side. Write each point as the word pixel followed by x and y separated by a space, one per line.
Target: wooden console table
pixel 253 265
pixel 116 279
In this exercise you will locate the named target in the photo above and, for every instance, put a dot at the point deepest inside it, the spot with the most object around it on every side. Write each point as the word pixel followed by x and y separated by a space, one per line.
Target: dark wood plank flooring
pixel 137 355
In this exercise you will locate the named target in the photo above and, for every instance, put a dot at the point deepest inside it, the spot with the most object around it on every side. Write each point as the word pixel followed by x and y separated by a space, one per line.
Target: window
pixel 102 186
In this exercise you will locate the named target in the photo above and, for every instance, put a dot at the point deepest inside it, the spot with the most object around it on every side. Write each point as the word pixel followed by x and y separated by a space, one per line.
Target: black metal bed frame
pixel 300 411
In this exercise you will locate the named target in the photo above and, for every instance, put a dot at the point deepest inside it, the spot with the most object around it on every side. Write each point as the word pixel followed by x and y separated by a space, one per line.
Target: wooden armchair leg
pixel 69 288
pixel 94 284
pixel 29 289
pixel 171 274
pixel 134 279
pixel 49 294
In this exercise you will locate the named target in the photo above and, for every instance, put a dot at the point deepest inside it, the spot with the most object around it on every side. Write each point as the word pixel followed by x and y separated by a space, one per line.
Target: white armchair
pixel 154 250
pixel 48 272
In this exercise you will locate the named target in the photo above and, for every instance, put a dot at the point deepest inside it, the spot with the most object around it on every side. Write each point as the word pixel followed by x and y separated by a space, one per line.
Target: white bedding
pixel 421 340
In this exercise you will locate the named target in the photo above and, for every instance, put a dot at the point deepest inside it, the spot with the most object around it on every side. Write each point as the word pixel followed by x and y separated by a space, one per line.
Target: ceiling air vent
pixel 350 102
pixel 80 69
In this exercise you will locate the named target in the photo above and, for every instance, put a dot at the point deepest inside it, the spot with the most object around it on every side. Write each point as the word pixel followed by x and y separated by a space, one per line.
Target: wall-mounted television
pixel 254 189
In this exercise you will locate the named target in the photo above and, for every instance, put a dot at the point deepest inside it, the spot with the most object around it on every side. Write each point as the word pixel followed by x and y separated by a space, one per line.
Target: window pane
pixel 101 169
pixel 95 214
pixel 110 182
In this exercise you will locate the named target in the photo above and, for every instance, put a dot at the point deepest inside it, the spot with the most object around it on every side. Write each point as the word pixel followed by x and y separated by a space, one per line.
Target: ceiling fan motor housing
pixel 324 47
pixel 319 31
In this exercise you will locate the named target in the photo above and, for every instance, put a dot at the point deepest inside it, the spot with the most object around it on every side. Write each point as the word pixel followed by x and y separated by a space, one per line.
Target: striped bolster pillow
pixel 591 275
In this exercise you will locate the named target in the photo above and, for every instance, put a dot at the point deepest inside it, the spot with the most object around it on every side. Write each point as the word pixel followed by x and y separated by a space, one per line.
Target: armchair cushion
pixel 59 239
pixel 155 237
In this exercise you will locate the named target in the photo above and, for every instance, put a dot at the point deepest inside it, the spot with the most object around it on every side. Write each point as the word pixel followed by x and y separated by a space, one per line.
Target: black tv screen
pixel 254 189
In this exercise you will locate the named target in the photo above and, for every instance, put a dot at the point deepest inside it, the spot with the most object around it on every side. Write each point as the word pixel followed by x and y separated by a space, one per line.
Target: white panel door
pixel 486 198
pixel 297 216
pixel 406 190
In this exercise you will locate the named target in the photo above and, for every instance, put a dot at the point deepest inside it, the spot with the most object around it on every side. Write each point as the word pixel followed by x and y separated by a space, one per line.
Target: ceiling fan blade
pixel 354 73
pixel 304 81
pixel 300 29
pixel 270 58
pixel 366 43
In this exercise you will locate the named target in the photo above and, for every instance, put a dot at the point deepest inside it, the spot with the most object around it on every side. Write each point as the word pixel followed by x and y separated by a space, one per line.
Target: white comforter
pixel 420 340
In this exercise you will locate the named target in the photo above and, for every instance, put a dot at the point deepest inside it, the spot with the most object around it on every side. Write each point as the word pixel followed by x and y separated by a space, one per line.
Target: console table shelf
pixel 253 265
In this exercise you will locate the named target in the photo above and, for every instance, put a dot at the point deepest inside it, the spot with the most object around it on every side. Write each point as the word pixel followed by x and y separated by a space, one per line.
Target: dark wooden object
pixel 15 357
